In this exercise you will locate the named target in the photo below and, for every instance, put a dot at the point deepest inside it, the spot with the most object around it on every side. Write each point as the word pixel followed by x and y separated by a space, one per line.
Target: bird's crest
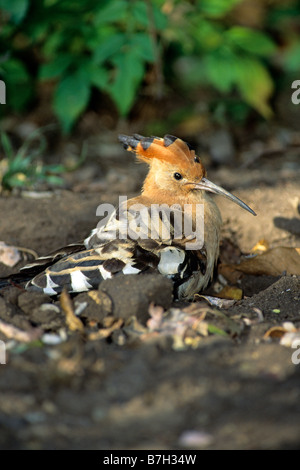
pixel 170 149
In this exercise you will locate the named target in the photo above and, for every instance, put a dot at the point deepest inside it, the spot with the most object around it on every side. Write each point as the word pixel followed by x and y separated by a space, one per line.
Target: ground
pixel 112 384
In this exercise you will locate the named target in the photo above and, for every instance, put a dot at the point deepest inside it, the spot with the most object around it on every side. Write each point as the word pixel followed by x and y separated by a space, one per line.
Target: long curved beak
pixel 213 188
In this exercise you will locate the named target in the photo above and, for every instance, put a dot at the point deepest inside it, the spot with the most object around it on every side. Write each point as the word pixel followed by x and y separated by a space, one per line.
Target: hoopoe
pixel 139 239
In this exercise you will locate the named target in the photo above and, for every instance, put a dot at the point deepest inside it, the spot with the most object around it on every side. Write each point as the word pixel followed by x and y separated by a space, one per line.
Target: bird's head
pixel 174 166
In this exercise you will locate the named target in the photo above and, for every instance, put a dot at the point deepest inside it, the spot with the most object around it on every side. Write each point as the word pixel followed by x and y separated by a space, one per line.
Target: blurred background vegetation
pixel 162 64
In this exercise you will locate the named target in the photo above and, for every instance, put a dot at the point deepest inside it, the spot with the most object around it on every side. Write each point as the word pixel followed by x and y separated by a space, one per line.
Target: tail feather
pixel 37 266
pixel 43 262
pixel 15 280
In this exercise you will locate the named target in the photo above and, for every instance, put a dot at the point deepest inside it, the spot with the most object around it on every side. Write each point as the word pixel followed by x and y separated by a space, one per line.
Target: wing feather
pixel 112 250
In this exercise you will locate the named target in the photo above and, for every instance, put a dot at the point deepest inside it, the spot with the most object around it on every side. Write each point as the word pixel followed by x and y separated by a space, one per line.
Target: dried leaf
pixel 231 293
pixel 259 314
pixel 290 339
pixel 289 326
pixel 201 327
pixel 106 332
pixel 272 263
pixel 261 246
pixel 185 326
pixel 134 328
pixel 9 255
pixel 20 335
pixel 197 307
pixel 156 313
pixel 73 322
pixel 287 333
pixel 216 301
pixel 275 332
pixel 229 272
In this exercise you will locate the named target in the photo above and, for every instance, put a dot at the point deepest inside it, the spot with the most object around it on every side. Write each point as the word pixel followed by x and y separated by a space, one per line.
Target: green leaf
pixel 14 180
pixel 111 11
pixel 18 84
pixel 107 48
pixel 55 68
pixel 255 84
pixel 98 76
pixel 217 8
pixel 143 46
pixel 15 71
pixel 30 146
pixel 251 40
pixel 54 43
pixel 129 73
pixel 55 168
pixel 70 99
pixel 141 14
pixel 52 179
pixel 214 330
pixel 219 71
pixel 16 8
pixel 7 146
pixel 19 164
pixel 208 35
pixel 291 58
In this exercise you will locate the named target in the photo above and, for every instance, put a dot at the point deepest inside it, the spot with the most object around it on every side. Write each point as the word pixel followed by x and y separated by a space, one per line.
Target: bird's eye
pixel 196 159
pixel 177 176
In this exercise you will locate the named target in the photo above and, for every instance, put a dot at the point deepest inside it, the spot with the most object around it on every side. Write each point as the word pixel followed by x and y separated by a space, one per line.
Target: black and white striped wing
pixel 122 247
pixel 78 272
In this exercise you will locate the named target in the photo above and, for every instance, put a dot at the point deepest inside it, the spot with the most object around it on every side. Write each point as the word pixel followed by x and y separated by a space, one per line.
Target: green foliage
pixel 17 9
pixel 110 44
pixel 251 41
pixel 71 97
pixel 23 168
pixel 83 45
pixel 18 83
pixel 216 8
pixel 291 59
pixel 230 58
